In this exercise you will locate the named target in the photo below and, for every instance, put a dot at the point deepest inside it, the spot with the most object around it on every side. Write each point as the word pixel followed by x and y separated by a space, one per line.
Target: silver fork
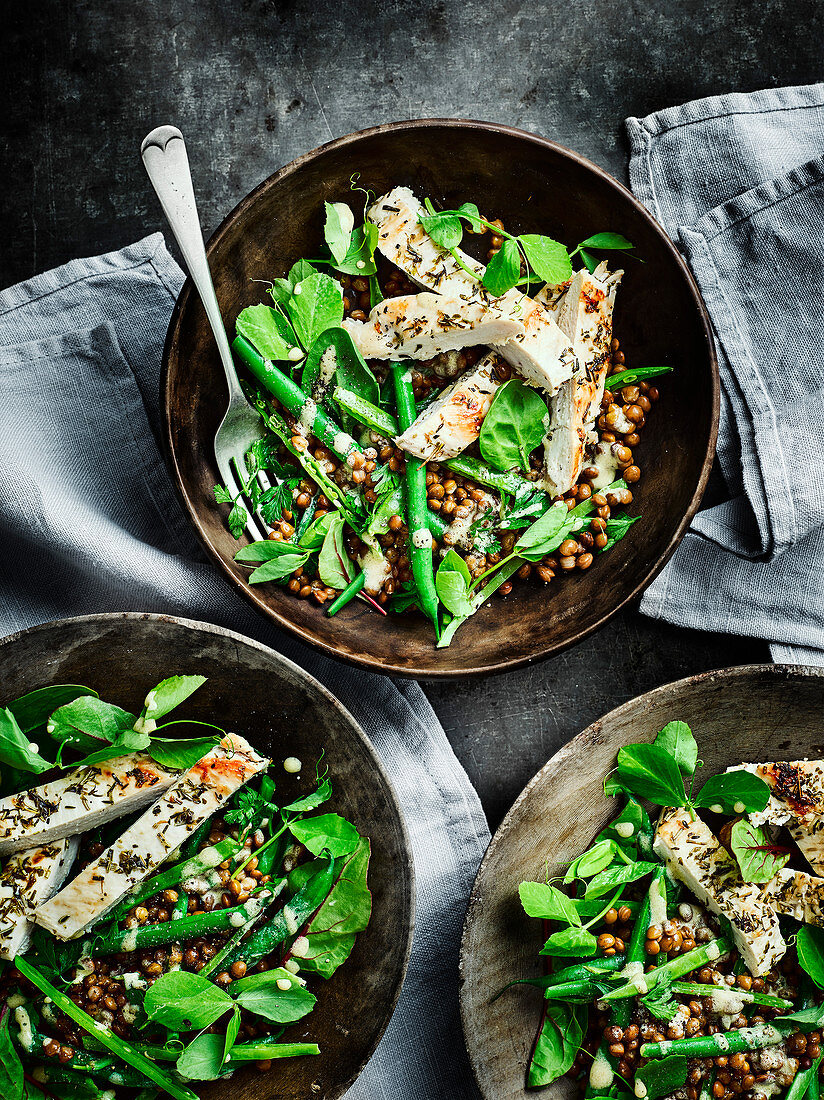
pixel 164 156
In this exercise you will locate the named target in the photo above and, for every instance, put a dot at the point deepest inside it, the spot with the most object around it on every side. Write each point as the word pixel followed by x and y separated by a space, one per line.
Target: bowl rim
pixel 785 672
pixel 313 685
pixel 367 661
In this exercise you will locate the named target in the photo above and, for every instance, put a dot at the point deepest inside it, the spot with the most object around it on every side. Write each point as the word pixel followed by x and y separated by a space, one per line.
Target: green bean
pixel 675 968
pixel 420 557
pixel 292 397
pixel 286 923
pixel 366 413
pixel 814 1085
pixel 306 518
pixel 102 1033
pixel 216 964
pixel 186 928
pixel 262 1050
pixel 206 860
pixel 348 594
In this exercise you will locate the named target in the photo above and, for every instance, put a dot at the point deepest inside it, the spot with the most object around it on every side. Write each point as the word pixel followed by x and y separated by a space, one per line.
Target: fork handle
pixel 167 163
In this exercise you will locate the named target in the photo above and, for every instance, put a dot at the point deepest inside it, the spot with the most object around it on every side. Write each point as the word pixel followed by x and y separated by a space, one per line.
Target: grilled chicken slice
pixel 28 879
pixel 190 801
pixel 796 894
pixel 584 314
pixel 81 800
pixel 541 353
pixel 695 857
pixel 420 326
pixel 454 419
pixel 797 801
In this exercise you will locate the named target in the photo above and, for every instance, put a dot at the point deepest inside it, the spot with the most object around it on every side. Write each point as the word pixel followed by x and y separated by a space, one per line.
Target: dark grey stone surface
pixel 254 83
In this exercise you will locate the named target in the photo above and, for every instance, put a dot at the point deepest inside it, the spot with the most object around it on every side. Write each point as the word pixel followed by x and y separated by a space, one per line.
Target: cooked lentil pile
pixel 412 464
pixel 684 958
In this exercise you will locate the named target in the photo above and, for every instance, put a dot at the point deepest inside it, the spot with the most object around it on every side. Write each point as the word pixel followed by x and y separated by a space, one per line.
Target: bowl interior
pixel 283 712
pixel 534 186
pixel 753 713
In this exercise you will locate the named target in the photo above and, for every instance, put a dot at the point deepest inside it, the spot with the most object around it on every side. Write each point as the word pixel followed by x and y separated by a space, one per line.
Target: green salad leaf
pixel 515 425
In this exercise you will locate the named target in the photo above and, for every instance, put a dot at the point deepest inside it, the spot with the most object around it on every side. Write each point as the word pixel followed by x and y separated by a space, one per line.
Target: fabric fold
pixel 738 181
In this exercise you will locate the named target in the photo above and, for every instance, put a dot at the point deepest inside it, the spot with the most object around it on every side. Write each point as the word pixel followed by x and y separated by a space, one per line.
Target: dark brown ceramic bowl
pixel 534 185
pixel 283 712
pixel 752 713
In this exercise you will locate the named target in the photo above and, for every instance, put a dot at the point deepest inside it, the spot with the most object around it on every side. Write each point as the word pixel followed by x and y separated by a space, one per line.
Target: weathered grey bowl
pixel 283 712
pixel 756 712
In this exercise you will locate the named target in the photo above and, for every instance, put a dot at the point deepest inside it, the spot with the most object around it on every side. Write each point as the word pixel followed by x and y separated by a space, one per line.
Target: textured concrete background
pixel 254 83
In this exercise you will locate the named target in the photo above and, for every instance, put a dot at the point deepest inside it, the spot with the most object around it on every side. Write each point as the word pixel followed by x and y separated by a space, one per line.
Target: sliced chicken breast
pixel 420 326
pixel 453 421
pixel 80 800
pixel 541 353
pixel 796 894
pixel 28 879
pixel 695 857
pixel 584 314
pixel 190 801
pixel 797 801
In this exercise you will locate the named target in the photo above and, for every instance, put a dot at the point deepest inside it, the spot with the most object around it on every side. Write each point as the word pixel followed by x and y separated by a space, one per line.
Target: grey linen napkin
pixel 738 182
pixel 89 522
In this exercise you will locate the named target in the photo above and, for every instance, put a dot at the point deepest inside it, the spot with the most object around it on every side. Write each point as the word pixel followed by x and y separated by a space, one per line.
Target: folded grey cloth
pixel 738 182
pixel 90 523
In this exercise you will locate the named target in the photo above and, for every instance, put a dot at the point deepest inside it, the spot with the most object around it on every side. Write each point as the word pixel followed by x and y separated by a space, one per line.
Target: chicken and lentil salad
pixel 686 957
pixel 436 428
pixel 163 914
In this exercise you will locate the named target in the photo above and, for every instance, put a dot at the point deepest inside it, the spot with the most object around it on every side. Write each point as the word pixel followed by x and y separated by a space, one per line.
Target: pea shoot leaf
pixel 15 748
pixel 628 827
pixel 572 941
pixel 328 832
pixel 606 881
pixel 548 259
pixel 337 228
pixel 736 792
pixel 268 330
pixel 360 256
pixel 182 1001
pixel 650 772
pixel 180 752
pixel 261 994
pixel 170 693
pixel 452 582
pixel 232 1029
pixel 316 305
pixel 677 739
pixel 311 801
pixel 11 1068
pixel 202 1059
pixel 546 534
pixel 606 241
pixel 444 228
pixel 591 862
pixel 504 269
pixel 547 902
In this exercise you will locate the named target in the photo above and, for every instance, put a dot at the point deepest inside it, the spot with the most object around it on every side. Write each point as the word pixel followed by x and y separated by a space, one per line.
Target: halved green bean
pixel 420 554
pixel 675 968
pixel 102 1033
pixel 627 377
pixel 196 924
pixel 288 921
pixel 478 471
pixel 261 1051
pixel 216 964
pixel 206 860
pixel 292 397
pixel 366 413
pixel 695 989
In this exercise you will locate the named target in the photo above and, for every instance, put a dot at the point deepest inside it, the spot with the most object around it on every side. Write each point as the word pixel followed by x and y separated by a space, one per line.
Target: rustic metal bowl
pixel 283 712
pixel 752 713
pixel 534 185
